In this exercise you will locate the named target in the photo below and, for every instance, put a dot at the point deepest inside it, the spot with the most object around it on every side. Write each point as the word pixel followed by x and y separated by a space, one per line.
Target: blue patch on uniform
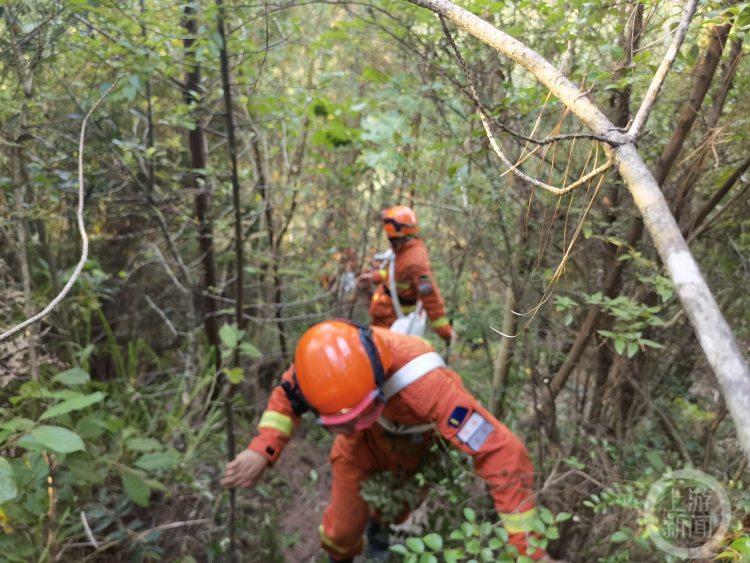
pixel 424 285
pixel 457 417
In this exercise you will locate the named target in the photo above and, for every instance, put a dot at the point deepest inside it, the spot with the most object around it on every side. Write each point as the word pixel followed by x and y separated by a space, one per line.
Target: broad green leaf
pixel 619 346
pixel 136 489
pixel 249 350
pixel 428 558
pixel 415 545
pixel 632 349
pixel 8 490
pixel 433 541
pixel 562 517
pixel 400 549
pixel 470 515
pixel 229 336
pixel 143 444
pixel 84 469
pixel 75 404
pixel 17 423
pixel 72 376
pixel 619 537
pixel 55 438
pixel 158 460
pixel 234 375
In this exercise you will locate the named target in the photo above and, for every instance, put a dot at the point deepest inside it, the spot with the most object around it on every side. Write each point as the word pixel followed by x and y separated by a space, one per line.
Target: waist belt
pixel 402 300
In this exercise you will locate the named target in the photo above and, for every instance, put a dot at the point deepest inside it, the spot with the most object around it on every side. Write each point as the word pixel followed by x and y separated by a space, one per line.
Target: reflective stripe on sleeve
pixel 518 522
pixel 442 321
pixel 383 274
pixel 408 308
pixel 277 421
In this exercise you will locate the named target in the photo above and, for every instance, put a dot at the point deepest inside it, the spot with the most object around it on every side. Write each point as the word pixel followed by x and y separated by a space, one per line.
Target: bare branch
pixel 483 115
pixel 639 122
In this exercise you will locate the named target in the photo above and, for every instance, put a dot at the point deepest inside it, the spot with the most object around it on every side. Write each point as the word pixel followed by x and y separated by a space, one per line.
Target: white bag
pixel 415 323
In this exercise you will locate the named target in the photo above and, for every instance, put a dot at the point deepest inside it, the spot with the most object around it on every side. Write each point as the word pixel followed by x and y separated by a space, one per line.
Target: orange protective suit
pixel 414 281
pixel 439 398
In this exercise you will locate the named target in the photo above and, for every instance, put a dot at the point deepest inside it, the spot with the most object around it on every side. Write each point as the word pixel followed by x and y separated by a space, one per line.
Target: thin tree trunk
pixel 197 181
pixel 239 261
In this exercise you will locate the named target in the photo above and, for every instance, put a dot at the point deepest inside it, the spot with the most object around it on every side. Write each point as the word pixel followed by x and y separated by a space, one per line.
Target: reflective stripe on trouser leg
pixel 442 321
pixel 519 522
pixel 336 550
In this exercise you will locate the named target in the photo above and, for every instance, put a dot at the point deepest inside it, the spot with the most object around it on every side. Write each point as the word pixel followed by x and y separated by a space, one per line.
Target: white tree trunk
pixel 711 328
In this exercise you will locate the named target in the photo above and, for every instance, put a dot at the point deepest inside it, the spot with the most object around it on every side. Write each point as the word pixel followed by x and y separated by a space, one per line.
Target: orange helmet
pixel 339 368
pixel 399 221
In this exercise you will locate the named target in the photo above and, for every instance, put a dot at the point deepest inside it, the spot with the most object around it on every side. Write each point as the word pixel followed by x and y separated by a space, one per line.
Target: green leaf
pixel 234 375
pixel 632 349
pixel 229 335
pixel 469 514
pixel 143 444
pixel 84 469
pixel 55 438
pixel 433 541
pixel 563 516
pixel 552 533
pixel 428 558
pixel 136 488
pixel 8 490
pixel 415 545
pixel 619 346
pixel 456 535
pixel 158 460
pixel 249 350
pixel 619 537
pixel 72 376
pixel 400 549
pixel 75 404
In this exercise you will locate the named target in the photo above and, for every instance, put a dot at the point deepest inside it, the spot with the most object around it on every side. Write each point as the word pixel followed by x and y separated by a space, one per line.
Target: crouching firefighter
pixel 367 386
pixel 404 277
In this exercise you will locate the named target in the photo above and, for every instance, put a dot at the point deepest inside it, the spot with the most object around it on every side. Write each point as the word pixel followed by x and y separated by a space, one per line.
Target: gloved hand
pixel 245 470
pixel 446 333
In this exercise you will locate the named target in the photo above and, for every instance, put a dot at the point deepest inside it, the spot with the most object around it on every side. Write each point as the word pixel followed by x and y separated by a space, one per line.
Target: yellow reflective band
pixel 383 274
pixel 326 541
pixel 403 285
pixel 277 421
pixel 519 522
pixel 442 321
pixel 408 308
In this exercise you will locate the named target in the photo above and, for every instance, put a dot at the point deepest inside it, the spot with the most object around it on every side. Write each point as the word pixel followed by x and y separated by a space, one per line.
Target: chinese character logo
pixel 687 514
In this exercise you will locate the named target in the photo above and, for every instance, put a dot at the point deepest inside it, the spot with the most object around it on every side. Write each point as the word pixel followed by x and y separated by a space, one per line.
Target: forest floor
pixel 307 472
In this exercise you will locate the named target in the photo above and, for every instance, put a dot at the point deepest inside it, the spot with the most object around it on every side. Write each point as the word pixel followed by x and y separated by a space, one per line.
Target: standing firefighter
pixel 387 397
pixel 409 264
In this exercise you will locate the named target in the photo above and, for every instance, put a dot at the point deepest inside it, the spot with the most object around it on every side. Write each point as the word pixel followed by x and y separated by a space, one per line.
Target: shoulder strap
pixel 392 287
pixel 411 372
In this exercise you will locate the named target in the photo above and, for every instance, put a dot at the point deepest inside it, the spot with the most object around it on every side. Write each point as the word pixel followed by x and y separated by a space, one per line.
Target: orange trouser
pixel 353 459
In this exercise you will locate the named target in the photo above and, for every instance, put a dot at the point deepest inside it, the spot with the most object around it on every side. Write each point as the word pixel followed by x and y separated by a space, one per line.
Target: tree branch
pixel 641 117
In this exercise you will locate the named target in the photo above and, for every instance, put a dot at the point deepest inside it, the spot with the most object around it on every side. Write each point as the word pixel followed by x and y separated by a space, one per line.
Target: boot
pixel 377 541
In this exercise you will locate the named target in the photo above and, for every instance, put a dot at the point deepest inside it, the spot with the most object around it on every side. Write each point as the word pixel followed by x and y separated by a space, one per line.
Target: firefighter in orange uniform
pixel 414 280
pixel 375 389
